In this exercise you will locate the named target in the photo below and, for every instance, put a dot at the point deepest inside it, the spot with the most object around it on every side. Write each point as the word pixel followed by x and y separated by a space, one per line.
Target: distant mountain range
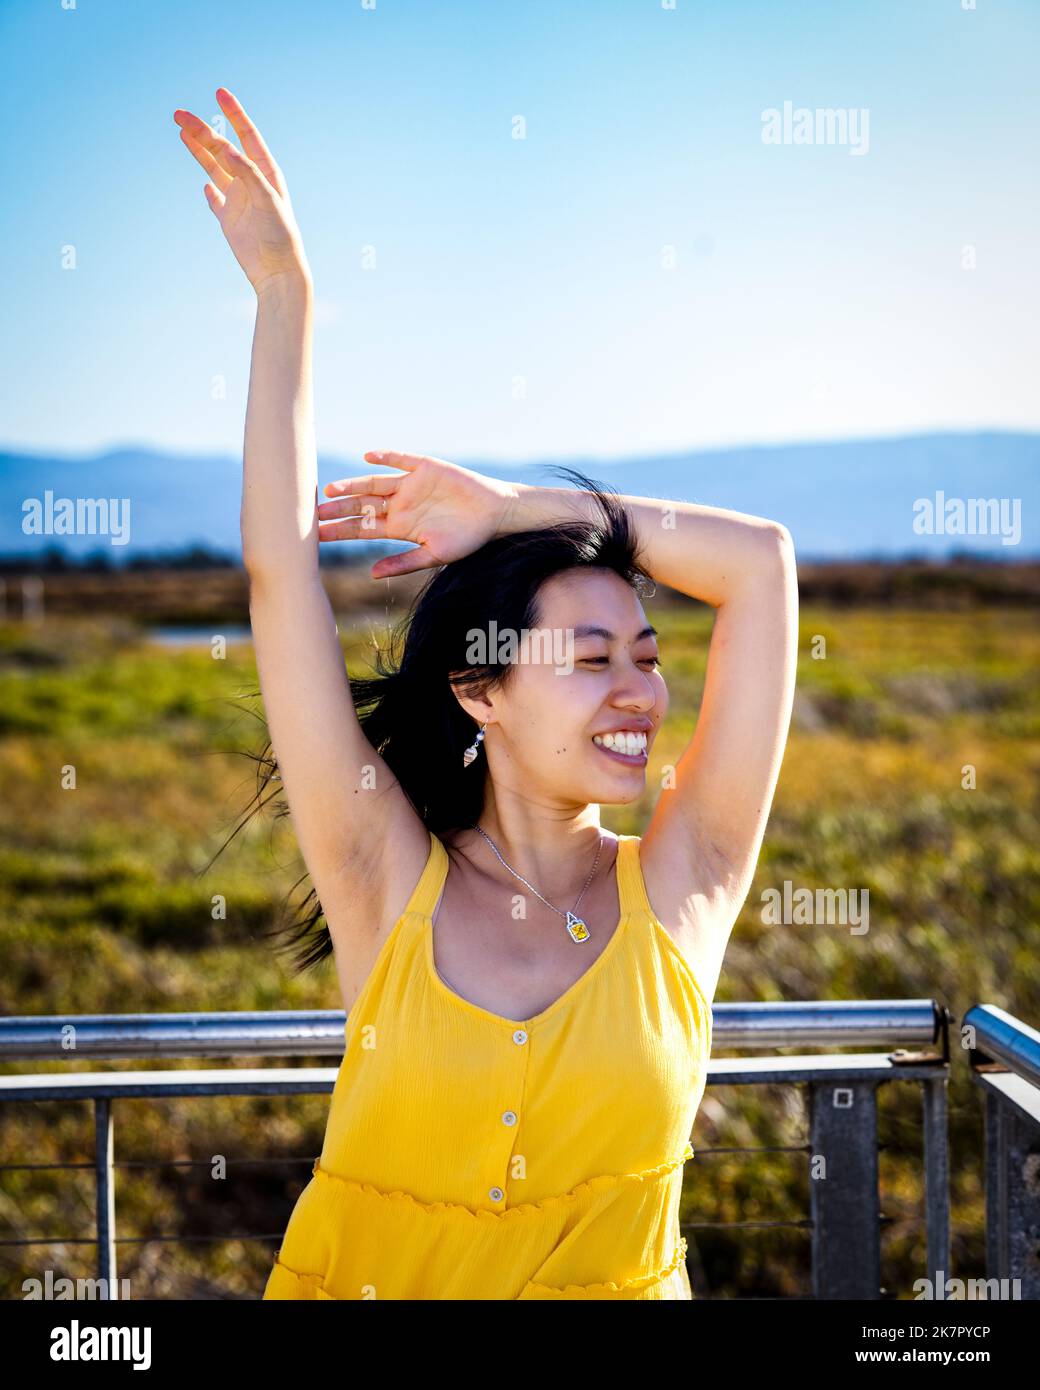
pixel 854 499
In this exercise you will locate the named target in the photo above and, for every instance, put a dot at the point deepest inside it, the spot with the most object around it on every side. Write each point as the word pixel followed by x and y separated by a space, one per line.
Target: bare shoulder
pixel 694 891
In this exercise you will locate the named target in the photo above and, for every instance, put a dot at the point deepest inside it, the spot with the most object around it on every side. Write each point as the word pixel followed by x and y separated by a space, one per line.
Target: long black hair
pixel 427 655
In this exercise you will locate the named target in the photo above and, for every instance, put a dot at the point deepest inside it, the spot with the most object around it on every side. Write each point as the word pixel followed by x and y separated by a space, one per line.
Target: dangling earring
pixel 471 751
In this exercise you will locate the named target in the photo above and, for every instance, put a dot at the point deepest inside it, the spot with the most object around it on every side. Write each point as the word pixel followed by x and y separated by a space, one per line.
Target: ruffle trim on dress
pixel 522 1209
pixel 312 1286
pixel 304 1286
pixel 606 1290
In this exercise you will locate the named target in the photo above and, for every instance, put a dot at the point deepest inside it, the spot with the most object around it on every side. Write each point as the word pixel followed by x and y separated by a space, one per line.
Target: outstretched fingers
pixel 198 135
pixel 354 504
pixel 369 527
pixel 389 459
pixel 373 485
pixel 228 157
pixel 378 483
pixel 221 178
pixel 404 562
pixel 252 141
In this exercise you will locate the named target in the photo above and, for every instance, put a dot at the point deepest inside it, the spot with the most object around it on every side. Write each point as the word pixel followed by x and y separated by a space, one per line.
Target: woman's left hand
pixel 446 510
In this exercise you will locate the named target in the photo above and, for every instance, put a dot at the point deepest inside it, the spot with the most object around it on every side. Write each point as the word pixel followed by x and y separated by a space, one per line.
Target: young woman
pixel 528 997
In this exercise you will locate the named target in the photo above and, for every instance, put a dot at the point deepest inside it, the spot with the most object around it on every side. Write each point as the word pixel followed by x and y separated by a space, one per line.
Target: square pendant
pixel 576 929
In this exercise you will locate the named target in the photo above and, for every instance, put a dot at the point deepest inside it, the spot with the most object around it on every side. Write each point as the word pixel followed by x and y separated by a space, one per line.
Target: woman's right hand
pixel 248 196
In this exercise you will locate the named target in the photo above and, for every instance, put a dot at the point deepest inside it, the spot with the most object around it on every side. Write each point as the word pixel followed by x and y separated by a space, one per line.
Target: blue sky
pixel 519 306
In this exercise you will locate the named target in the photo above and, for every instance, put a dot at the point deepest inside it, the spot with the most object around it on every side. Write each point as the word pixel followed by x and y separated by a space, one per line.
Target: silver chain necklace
pixel 577 930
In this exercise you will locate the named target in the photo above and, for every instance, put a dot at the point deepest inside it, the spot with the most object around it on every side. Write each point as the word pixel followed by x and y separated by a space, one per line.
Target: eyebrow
pixel 586 630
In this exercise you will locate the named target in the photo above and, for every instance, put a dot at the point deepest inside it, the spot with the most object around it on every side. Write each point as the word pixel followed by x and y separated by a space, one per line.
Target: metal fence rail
pixel 320 1032
pixel 845 1216
pixel 1005 1061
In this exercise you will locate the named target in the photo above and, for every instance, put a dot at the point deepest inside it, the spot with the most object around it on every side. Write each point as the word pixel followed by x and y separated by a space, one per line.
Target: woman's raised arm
pixel 701 848
pixel 343 818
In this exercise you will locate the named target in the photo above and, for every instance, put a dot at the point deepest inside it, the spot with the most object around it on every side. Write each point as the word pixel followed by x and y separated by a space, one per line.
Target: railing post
pixel 937 1183
pixel 843 1190
pixel 1012 1197
pixel 104 1154
pixel 997 1257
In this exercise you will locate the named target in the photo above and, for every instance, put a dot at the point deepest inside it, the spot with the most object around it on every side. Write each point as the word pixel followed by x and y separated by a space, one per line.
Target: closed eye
pixel 653 661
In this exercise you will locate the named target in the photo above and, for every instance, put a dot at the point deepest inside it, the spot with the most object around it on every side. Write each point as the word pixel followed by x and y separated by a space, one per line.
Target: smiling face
pixel 576 729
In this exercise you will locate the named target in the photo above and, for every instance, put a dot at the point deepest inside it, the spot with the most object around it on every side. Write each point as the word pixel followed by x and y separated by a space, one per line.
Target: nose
pixel 636 693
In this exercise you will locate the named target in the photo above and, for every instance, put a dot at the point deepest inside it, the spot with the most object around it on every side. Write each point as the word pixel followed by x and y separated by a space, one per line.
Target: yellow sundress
pixel 471 1156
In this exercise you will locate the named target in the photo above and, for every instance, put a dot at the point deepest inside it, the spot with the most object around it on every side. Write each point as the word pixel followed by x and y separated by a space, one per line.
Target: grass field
pixel 105 909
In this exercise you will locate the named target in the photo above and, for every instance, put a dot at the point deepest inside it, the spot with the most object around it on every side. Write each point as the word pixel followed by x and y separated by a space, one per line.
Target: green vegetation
pixel 106 908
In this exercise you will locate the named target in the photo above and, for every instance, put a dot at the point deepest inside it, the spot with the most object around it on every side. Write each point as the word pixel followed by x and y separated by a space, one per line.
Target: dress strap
pixel 428 890
pixel 632 893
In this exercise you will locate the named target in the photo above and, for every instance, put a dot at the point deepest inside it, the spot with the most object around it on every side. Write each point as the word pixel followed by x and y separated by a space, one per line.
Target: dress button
pixel 496 1194
pixel 519 1036
pixel 509 1118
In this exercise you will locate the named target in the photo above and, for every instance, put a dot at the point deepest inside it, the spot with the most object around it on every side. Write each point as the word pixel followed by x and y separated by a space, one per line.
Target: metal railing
pixel 1005 1062
pixel 845 1215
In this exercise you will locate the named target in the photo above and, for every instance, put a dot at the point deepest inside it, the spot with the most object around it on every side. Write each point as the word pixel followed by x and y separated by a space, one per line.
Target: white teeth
pixel 623 741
